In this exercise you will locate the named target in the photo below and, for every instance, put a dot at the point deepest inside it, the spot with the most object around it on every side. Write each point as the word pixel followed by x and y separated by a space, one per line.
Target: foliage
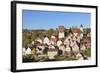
pixel 87 52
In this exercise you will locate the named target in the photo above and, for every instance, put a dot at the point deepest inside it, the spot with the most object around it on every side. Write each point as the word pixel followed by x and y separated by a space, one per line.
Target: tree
pixel 50 32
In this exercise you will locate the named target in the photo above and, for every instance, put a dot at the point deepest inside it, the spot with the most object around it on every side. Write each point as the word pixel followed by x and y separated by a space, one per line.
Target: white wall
pixel 5 36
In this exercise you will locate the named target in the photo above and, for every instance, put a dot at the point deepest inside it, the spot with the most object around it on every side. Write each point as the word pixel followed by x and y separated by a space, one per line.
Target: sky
pixel 33 19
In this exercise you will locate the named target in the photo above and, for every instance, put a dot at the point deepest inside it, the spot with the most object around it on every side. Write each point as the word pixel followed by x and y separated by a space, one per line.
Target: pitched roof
pixel 75 30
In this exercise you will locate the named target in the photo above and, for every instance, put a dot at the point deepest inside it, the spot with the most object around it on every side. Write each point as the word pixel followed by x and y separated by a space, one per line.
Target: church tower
pixel 81 28
pixel 61 33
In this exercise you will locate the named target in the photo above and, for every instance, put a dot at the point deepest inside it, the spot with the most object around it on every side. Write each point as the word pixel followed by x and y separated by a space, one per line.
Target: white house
pixel 59 42
pixel 52 52
pixel 39 40
pixel 23 51
pixel 61 33
pixel 53 40
pixel 32 42
pixel 46 41
pixel 81 35
pixel 28 51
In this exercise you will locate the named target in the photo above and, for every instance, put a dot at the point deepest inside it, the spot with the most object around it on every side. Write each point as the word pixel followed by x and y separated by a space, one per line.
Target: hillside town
pixel 61 44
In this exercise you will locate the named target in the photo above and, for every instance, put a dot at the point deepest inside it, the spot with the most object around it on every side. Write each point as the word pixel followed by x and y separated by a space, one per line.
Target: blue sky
pixel 33 19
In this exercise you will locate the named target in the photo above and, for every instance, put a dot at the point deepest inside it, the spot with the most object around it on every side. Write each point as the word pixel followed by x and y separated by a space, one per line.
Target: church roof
pixel 75 30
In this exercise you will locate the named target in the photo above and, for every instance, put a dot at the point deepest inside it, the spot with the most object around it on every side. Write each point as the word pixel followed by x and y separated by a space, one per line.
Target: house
pixel 87 42
pixel 76 31
pixel 53 40
pixel 61 33
pixel 28 51
pixel 59 42
pixel 23 51
pixel 32 43
pixel 39 40
pixel 46 41
pixel 52 52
